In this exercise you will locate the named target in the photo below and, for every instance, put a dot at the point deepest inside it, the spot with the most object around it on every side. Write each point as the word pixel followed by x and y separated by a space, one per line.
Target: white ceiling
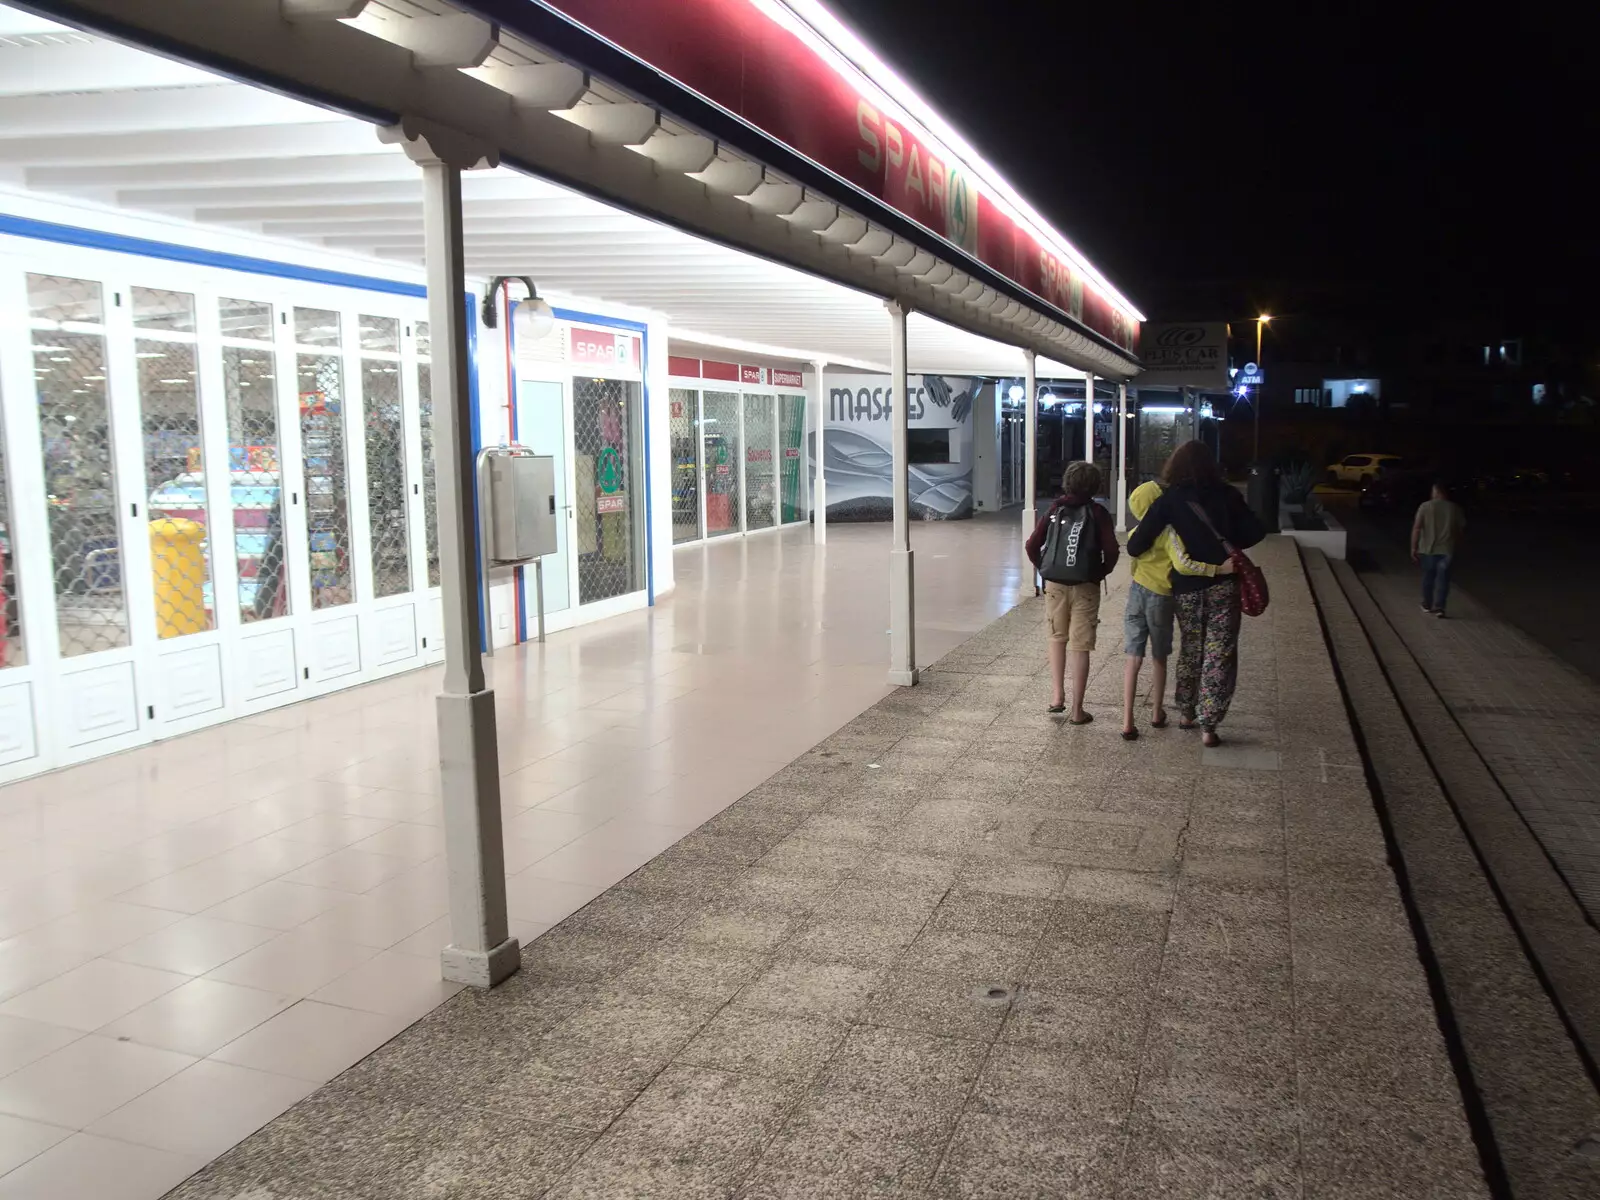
pixel 103 123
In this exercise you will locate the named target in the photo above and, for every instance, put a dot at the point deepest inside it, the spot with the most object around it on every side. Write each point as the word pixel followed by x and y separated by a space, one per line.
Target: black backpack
pixel 1072 545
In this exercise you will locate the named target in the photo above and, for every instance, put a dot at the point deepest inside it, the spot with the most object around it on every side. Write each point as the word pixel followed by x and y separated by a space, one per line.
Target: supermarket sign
pixel 760 61
pixel 602 348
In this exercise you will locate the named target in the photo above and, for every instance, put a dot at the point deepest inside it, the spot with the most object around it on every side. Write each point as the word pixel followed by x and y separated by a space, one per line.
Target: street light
pixel 1260 321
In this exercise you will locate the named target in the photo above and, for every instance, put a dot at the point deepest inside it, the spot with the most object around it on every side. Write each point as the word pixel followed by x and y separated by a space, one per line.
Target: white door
pixel 543 426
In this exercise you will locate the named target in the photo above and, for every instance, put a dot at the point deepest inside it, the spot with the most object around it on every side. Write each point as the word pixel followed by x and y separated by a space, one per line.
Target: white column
pixel 481 950
pixel 1030 442
pixel 1122 458
pixel 819 492
pixel 902 593
pixel 1088 418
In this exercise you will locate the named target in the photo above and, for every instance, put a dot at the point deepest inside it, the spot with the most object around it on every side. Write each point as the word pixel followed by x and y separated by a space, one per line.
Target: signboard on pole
pixel 1185 354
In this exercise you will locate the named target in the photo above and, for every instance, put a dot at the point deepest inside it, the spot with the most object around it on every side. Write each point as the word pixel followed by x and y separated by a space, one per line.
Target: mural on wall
pixel 860 455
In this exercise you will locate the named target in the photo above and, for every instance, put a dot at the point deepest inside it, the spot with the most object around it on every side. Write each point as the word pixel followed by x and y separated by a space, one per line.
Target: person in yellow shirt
pixel 1147 620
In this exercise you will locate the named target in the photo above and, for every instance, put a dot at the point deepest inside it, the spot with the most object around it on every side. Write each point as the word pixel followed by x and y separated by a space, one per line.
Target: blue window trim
pixel 643 330
pixel 95 239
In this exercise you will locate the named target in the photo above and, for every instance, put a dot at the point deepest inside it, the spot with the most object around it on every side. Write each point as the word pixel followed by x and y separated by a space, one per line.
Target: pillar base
pixel 902 620
pixel 481 968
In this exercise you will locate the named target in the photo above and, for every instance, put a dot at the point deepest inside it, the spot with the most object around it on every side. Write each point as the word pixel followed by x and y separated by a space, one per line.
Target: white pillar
pixel 902 593
pixel 1088 418
pixel 1030 441
pixel 819 492
pixel 481 950
pixel 1122 458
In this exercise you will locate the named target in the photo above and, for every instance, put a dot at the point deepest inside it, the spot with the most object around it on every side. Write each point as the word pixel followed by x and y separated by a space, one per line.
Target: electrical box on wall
pixel 517 500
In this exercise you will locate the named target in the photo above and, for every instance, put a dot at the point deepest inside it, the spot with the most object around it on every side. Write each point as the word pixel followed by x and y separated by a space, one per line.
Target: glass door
pixel 684 427
pixel 760 472
pixel 723 450
pixel 542 427
pixel 608 514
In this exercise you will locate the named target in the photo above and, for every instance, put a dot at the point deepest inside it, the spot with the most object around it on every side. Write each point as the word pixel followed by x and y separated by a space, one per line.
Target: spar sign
pixel 762 62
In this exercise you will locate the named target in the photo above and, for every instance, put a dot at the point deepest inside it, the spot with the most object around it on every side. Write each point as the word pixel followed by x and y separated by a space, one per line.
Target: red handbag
pixel 1253 595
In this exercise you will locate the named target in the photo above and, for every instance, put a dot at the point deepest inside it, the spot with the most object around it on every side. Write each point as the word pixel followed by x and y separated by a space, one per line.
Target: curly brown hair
pixel 1081 479
pixel 1193 464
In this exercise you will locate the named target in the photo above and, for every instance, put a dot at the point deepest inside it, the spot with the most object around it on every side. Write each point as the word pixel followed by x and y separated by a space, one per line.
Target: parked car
pixel 1359 468
pixel 1396 491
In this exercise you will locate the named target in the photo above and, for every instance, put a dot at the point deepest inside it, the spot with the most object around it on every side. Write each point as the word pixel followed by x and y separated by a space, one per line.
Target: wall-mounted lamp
pixel 533 319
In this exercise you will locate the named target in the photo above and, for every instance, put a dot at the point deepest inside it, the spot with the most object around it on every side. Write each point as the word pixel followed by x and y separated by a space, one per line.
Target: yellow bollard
pixel 178 559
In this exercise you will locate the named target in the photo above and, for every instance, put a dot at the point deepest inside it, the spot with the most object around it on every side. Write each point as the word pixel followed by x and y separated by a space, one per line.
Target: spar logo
pixel 961 209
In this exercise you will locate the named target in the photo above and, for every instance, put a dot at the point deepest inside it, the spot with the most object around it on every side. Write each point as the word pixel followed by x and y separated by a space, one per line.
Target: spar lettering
pixel 915 180
pixel 871 404
pixel 1062 286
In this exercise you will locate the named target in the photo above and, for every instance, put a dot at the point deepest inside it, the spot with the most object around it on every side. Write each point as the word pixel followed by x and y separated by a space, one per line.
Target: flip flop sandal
pixel 1161 724
pixel 1087 717
pixel 1210 740
pixel 1130 735
pixel 1056 708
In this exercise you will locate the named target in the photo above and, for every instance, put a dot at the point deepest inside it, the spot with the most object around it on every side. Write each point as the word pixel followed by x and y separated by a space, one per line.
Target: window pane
pixel 386 477
pixel 684 425
pixel 791 438
pixel 316 327
pixel 322 445
pixel 54 298
pixel 80 486
pixel 13 651
pixel 157 309
pixel 424 339
pixel 430 498
pixel 246 319
pixel 169 400
pixel 250 386
pixel 380 333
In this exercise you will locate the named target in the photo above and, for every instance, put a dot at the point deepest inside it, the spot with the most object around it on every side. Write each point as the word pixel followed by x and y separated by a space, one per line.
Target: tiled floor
pixel 196 934
pixel 959 950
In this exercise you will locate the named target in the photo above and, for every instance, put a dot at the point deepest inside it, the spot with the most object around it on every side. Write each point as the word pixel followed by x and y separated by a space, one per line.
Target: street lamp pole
pixel 1255 408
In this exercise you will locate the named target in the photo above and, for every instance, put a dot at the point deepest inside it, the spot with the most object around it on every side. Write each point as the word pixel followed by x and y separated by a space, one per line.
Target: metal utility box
pixel 517 499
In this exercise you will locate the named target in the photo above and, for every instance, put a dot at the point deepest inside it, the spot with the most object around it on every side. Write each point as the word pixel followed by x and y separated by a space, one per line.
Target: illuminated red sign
pixel 752 375
pixel 601 348
pixel 744 60
pixel 787 378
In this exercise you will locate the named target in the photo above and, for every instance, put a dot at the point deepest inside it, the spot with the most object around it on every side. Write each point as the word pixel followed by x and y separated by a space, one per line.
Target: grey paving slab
pixel 958 950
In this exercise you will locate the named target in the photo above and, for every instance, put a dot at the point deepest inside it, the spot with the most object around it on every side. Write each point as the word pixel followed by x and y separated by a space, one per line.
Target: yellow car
pixel 1361 468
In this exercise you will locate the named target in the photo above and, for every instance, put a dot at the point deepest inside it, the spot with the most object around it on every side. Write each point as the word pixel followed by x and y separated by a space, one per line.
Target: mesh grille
pixel 721 421
pixel 79 471
pixel 169 412
pixel 322 445
pixel 685 430
pixel 386 474
pixel 249 384
pixel 13 650
pixel 760 474
pixel 608 513
pixel 430 495
pixel 791 437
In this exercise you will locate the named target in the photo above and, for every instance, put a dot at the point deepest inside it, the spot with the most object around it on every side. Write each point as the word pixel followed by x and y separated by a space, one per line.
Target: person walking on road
pixel 1147 619
pixel 1074 547
pixel 1435 538
pixel 1204 511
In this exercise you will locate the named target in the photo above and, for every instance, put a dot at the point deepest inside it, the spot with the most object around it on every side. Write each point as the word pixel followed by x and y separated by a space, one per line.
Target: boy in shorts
pixel 1147 620
pixel 1073 609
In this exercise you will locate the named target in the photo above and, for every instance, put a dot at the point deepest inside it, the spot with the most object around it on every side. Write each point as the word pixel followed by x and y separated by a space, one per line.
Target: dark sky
pixel 1209 156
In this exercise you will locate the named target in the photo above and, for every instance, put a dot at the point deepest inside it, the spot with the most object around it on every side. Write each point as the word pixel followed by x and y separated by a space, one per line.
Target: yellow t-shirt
pixel 1153 569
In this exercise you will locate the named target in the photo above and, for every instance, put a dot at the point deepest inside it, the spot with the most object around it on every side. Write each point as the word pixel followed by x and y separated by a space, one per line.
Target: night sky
pixel 1217 161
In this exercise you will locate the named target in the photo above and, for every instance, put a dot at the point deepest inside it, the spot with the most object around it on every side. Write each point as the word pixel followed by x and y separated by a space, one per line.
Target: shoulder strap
pixel 1205 519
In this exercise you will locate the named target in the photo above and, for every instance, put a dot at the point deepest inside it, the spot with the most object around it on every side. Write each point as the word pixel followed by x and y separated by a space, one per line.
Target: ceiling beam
pixel 93 66
pixel 211 106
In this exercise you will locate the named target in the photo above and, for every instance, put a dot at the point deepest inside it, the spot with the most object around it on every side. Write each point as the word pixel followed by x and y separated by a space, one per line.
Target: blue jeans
pixel 1435 581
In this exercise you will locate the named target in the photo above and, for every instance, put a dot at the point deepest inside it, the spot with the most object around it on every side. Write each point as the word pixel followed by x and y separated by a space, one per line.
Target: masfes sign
pixel 1185 354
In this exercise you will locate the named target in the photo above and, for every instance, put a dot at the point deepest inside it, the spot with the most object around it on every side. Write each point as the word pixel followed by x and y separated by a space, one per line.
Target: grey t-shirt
pixel 1442 522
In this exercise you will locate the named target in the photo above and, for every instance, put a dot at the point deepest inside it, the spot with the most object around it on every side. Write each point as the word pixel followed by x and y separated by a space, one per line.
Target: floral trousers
pixel 1208 658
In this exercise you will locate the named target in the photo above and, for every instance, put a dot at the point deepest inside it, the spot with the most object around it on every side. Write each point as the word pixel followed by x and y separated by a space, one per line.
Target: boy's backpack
pixel 1072 551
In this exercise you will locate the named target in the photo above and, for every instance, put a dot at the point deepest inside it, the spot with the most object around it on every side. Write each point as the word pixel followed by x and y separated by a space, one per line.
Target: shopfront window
pixel 723 450
pixel 609 516
pixel 321 387
pixel 760 472
pixel 684 425
pixel 250 391
pixel 388 503
pixel 791 440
